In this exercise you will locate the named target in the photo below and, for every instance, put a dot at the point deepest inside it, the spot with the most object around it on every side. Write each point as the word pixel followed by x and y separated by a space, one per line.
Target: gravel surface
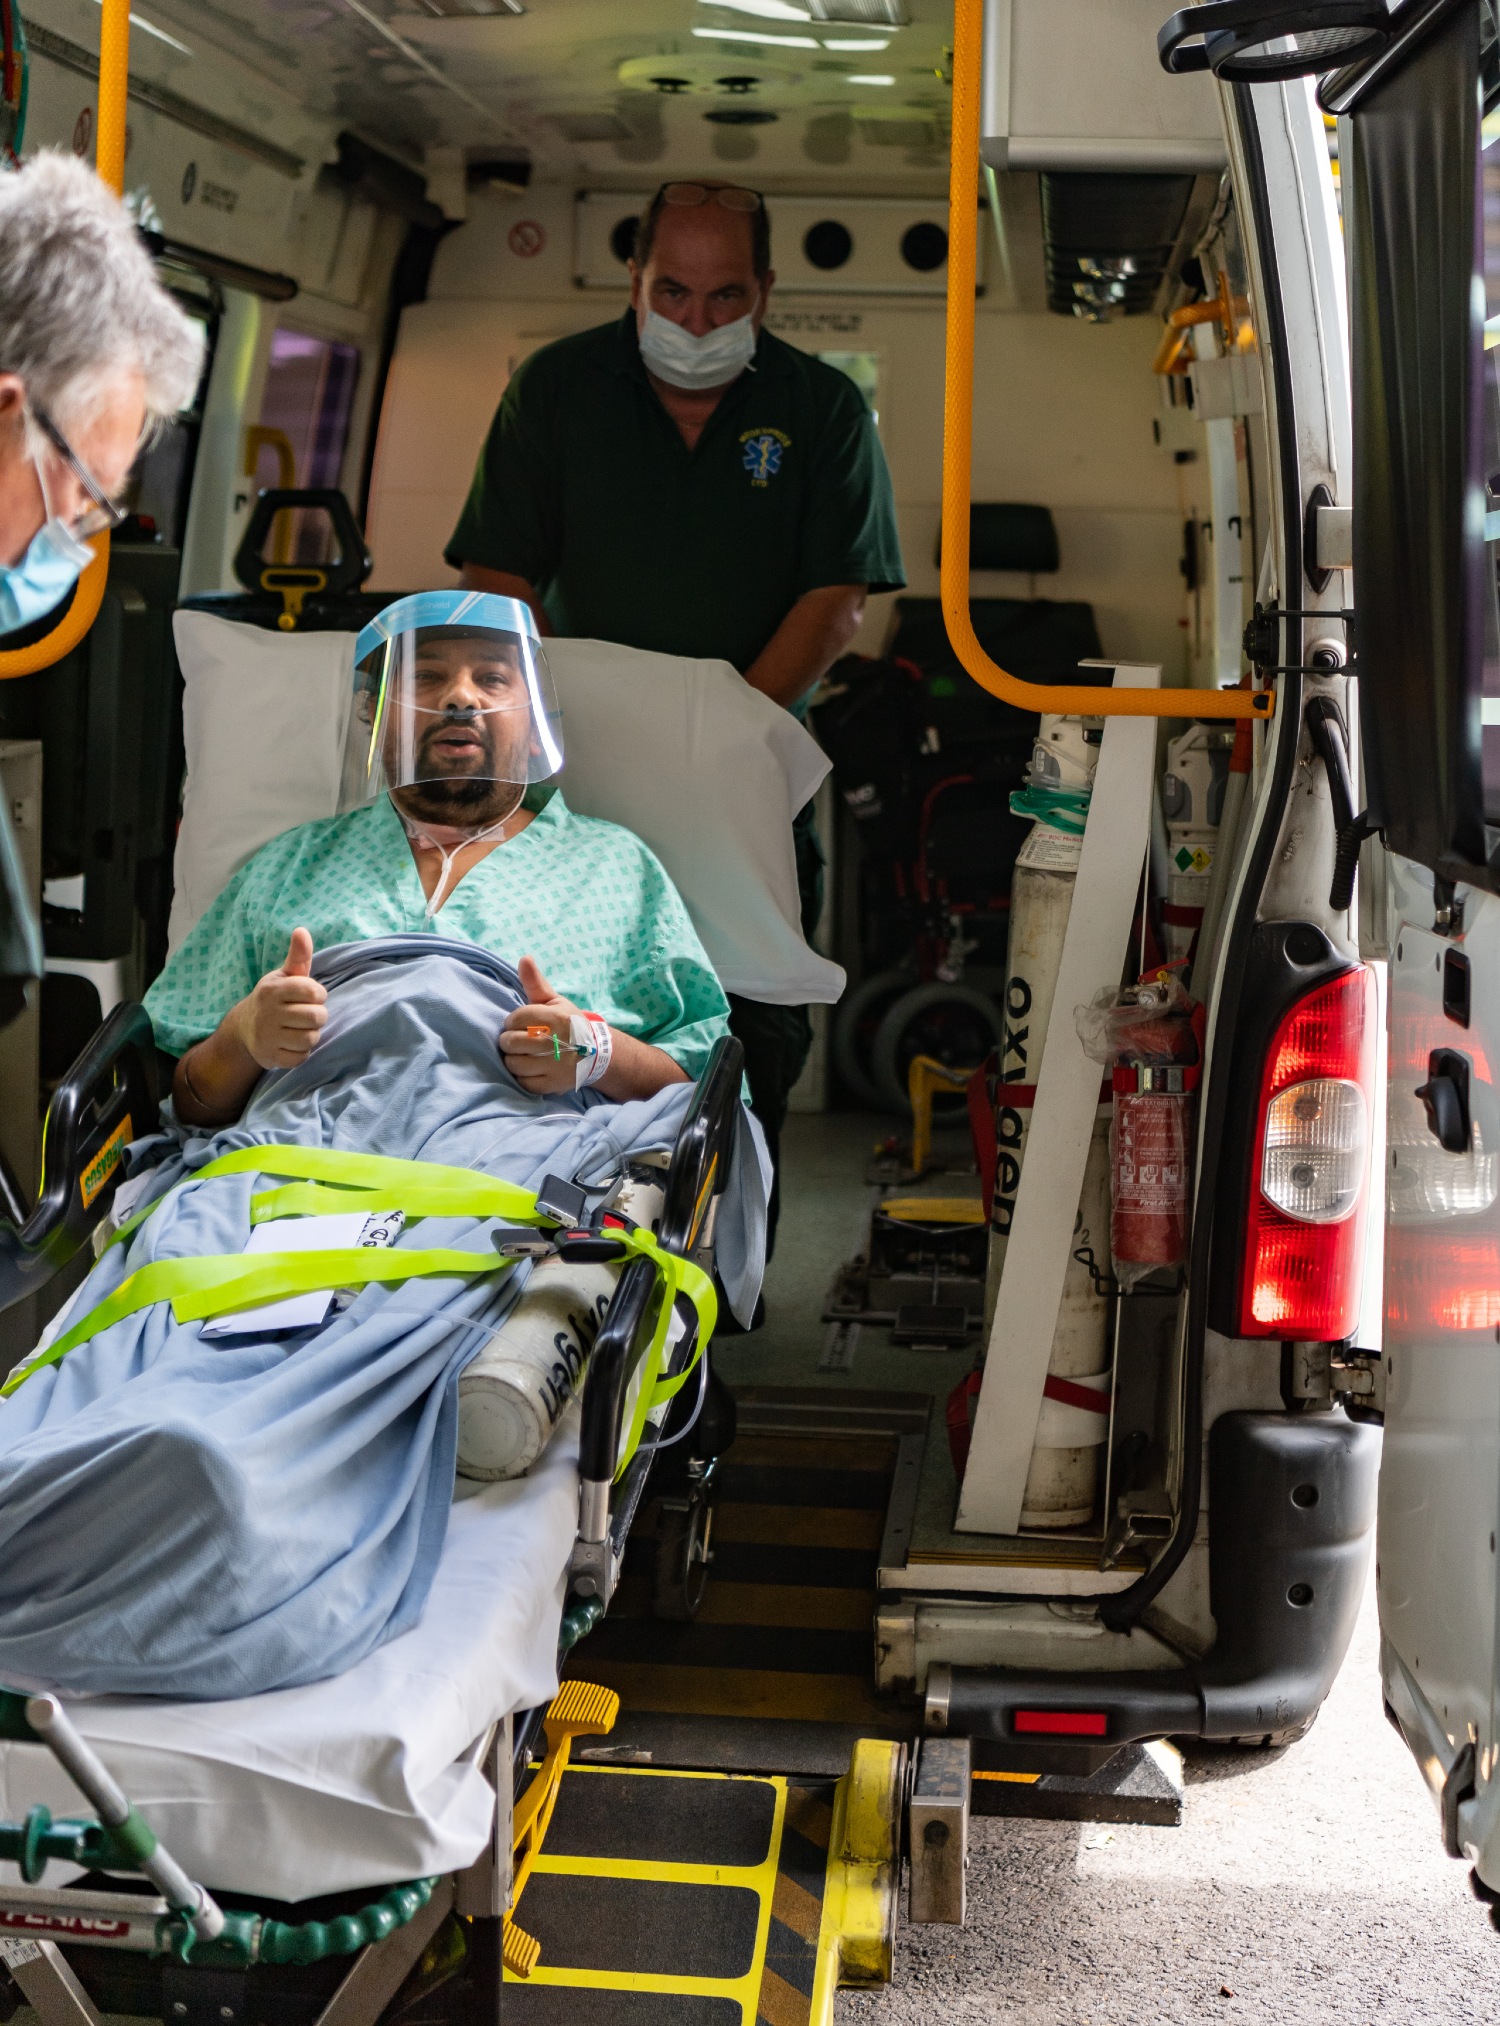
pixel 1307 1885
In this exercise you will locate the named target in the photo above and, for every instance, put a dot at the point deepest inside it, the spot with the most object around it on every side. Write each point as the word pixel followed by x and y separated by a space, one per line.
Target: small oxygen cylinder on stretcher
pixel 514 1392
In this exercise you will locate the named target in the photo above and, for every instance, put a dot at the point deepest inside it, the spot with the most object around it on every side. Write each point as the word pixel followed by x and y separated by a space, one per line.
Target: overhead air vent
pixel 1108 241
pixel 846 246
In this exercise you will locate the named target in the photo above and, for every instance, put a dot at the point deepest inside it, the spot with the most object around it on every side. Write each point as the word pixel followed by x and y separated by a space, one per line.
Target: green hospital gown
pixel 586 899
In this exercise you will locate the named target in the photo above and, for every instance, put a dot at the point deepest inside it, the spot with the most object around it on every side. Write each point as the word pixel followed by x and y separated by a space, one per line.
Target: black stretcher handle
pixel 108 1098
pixel 698 1172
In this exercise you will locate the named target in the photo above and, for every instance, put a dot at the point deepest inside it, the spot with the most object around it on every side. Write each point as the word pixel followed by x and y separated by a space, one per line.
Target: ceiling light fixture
pixel 150 28
pixel 767 10
pixel 869 80
pixel 842 43
pixel 748 35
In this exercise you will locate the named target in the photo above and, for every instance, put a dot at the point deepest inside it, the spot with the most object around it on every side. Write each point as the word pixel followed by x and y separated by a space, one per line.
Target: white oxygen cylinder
pixel 1192 800
pixel 1041 897
pixel 512 1396
pixel 1062 1482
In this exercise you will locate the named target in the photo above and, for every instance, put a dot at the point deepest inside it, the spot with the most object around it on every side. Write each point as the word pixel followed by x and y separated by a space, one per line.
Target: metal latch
pixel 938 1820
pixel 1358 1378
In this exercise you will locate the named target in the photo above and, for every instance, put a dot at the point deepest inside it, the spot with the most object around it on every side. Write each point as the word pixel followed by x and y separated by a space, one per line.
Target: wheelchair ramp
pixel 679 1899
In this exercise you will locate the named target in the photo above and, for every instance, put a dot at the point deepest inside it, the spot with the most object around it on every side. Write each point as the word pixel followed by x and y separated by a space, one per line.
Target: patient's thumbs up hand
pixel 280 1023
pixel 533 984
pixel 534 1037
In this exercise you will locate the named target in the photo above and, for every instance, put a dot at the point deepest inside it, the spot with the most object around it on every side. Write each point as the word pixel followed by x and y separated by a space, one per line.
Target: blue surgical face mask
pixel 676 356
pixel 44 576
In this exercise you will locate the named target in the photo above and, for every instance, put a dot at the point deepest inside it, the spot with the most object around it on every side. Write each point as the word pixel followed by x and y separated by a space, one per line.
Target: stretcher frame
pixel 110 1097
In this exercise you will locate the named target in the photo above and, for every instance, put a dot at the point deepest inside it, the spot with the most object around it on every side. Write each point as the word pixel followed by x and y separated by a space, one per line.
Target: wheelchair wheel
pixel 682 1557
pixel 955 1023
pixel 854 1030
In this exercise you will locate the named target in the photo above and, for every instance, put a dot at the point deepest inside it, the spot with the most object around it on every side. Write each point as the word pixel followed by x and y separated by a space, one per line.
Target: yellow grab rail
pixel 1073 700
pixel 109 160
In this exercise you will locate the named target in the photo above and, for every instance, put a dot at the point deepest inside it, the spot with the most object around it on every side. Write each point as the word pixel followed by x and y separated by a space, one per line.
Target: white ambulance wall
pixel 1063 418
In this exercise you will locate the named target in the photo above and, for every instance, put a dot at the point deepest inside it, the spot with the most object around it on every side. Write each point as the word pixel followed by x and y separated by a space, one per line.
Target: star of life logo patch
pixel 761 453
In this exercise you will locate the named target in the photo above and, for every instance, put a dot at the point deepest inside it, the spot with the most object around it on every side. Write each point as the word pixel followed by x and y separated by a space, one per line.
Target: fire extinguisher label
pixel 1148 1225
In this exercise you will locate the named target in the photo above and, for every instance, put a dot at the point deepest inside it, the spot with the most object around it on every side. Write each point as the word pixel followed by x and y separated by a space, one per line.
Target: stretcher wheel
pixel 682 1557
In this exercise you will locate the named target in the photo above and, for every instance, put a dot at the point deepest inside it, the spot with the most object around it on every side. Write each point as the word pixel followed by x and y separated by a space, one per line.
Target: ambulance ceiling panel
pixel 789 92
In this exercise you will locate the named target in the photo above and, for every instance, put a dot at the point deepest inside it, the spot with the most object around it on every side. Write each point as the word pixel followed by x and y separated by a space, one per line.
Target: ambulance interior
pixel 380 210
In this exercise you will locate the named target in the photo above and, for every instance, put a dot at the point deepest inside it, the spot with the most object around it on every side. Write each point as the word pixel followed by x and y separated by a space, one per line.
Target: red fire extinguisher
pixel 1152 1043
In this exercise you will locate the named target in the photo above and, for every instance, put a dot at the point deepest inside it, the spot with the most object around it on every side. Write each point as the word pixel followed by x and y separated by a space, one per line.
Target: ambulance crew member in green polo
pixel 685 481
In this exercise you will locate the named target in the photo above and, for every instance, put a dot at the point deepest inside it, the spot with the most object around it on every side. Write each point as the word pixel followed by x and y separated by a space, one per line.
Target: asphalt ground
pixel 1306 1885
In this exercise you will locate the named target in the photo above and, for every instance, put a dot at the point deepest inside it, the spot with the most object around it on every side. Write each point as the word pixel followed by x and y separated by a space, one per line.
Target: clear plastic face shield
pixel 454 713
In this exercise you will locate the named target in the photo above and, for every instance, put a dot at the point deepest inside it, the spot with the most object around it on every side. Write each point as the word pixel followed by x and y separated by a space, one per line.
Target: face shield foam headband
pixel 453 714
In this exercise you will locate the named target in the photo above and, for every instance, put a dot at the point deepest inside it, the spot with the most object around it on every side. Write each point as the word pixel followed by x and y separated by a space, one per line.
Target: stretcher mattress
pixel 373 1776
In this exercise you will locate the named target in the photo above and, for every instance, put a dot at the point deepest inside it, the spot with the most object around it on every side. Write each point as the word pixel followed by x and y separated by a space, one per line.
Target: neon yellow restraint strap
pixel 218 1284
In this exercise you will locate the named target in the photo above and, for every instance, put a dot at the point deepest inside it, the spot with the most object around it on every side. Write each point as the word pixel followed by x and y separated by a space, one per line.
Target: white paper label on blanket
pixel 294 1234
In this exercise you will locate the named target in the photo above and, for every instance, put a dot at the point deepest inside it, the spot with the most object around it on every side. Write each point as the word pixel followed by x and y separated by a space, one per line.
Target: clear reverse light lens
pixel 1317 1134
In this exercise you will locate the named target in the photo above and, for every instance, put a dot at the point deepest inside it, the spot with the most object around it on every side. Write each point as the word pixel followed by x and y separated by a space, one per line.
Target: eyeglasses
pixel 103 513
pixel 729 196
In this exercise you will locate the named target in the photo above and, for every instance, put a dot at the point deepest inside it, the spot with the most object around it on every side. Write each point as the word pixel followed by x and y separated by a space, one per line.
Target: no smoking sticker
pixel 526 238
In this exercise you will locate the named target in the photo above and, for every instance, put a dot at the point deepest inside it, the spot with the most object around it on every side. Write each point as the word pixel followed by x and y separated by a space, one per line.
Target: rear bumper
pixel 1292 1522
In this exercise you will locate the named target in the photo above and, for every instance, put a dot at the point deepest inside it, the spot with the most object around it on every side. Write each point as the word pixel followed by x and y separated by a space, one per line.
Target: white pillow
pixel 705 769
pixel 263 718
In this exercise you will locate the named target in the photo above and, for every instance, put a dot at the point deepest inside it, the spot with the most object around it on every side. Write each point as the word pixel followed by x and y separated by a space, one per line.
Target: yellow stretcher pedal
pixel 519 1951
pixel 580 1710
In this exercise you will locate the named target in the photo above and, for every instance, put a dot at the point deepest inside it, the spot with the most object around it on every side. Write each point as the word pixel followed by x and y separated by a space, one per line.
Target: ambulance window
pixel 863 368
pixel 157 493
pixel 304 432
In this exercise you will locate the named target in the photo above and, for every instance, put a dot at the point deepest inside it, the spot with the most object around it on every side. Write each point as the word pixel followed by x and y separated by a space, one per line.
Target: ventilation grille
pixel 1108 241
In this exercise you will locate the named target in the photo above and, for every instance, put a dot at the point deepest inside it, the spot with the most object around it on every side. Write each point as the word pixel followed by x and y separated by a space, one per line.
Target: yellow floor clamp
pixel 925 1078
pixel 578 1710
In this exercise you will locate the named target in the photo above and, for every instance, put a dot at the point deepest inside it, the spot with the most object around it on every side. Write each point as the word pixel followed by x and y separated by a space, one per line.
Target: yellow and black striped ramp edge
pixel 678 1899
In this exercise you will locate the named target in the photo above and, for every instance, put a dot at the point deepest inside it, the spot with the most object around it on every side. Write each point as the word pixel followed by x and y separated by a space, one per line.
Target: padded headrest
pixel 685 753
pixel 1006 536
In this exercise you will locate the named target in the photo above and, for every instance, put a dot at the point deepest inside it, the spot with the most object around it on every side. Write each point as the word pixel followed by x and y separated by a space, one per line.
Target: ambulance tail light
pixel 1304 1242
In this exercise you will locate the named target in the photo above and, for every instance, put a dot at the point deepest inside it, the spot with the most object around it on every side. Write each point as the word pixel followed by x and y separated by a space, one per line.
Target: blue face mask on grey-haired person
pixel 54 560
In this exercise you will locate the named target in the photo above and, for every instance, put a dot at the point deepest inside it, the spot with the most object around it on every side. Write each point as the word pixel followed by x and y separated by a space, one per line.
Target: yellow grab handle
pixel 1072 700
pixel 109 161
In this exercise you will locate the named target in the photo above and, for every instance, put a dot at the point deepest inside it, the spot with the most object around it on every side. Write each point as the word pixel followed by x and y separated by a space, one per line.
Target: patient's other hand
pixel 280 1023
pixel 531 1059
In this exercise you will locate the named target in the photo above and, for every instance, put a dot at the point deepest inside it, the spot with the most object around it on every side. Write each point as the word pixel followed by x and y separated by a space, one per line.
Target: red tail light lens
pixel 1304 1244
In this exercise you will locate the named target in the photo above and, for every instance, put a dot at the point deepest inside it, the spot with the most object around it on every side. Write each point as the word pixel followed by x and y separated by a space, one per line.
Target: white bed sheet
pixel 373 1776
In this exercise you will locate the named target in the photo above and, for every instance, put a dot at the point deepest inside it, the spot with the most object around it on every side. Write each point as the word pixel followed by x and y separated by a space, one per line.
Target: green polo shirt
pixel 586 489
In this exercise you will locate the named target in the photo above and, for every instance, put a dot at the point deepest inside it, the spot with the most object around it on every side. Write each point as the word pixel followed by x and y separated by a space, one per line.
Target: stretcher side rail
pixel 108 1098
pixel 696 1177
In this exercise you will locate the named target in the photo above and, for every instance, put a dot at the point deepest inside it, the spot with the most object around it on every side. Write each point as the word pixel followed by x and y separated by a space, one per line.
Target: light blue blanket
pixel 217 1518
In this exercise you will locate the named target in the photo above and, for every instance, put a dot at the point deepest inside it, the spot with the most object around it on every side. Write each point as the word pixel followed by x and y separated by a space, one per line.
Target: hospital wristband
pixel 591 1036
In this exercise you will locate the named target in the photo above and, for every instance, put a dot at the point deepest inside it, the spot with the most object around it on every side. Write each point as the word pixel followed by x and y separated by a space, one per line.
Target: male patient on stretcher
pixel 205 1501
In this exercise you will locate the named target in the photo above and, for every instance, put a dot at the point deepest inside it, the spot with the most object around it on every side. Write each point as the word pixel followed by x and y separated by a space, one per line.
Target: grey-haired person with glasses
pixel 93 351
pixel 683 480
